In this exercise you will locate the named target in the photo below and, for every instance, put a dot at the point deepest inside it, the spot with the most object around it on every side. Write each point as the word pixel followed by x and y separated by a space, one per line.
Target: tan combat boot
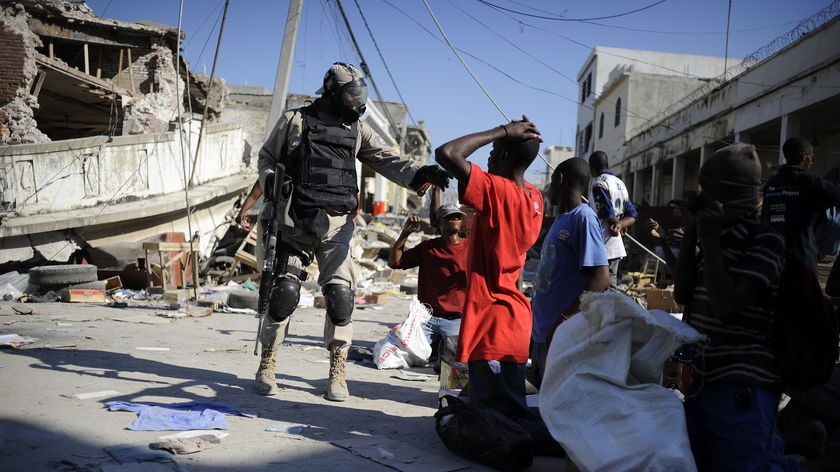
pixel 337 384
pixel 266 383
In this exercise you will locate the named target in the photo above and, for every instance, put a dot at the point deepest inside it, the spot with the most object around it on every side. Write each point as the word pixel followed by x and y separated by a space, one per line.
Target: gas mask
pixel 350 99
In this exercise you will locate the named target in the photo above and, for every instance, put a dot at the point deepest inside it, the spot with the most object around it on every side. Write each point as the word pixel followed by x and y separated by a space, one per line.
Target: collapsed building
pixel 107 138
pixel 100 132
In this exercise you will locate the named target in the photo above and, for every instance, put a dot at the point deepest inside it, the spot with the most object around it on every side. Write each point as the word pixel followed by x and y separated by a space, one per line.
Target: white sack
pixel 601 396
pixel 406 344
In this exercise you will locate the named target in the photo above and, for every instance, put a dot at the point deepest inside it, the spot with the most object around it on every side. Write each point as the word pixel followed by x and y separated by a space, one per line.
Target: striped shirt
pixel 740 349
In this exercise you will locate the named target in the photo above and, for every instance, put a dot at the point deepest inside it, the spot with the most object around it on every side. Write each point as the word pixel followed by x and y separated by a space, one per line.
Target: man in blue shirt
pixel 573 259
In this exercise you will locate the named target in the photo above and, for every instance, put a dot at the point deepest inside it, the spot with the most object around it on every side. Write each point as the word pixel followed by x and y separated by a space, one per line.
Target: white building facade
pixel 667 125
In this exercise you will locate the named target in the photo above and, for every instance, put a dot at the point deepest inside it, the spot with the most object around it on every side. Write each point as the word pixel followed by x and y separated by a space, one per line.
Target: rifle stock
pixel 270 244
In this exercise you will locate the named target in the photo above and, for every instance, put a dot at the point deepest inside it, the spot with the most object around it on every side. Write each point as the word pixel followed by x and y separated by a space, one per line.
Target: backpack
pixel 483 435
pixel 805 341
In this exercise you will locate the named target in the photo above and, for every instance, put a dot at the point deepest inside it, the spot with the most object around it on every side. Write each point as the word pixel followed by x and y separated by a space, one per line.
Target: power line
pixel 560 18
pixel 512 43
pixel 690 33
pixel 455 51
pixel 384 63
pixel 395 130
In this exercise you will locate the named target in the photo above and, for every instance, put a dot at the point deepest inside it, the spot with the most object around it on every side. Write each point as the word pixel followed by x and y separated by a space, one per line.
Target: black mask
pixel 350 99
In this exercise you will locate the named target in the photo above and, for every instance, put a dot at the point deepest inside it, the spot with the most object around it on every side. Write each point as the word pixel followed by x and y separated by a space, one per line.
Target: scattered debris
pixel 401 456
pixel 21 310
pixel 90 395
pixel 15 340
pixel 129 454
pixel 186 445
pixel 411 377
pixel 230 349
pixel 142 319
pixel 291 428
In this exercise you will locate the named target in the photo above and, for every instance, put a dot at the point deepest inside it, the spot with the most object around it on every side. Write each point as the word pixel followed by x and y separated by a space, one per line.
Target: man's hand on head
pixel 522 129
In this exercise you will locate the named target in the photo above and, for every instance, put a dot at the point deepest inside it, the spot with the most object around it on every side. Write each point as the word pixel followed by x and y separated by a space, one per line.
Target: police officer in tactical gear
pixel 318 144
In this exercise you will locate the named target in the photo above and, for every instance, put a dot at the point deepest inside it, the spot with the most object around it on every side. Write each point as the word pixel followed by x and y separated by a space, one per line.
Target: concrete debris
pixel 186 445
pixel 15 340
pixel 17 122
pixel 91 395
pixel 371 246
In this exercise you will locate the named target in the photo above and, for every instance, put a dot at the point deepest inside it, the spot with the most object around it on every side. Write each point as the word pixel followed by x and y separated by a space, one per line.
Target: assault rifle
pixel 271 236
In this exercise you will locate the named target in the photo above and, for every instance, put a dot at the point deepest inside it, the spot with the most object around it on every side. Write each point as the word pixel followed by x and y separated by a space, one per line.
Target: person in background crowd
pixel 609 198
pixel 573 259
pixel 793 197
pixel 442 274
pixel 732 407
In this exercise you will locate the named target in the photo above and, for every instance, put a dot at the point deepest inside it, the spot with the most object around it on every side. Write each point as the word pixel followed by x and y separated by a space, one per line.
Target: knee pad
pixel 285 296
pixel 340 301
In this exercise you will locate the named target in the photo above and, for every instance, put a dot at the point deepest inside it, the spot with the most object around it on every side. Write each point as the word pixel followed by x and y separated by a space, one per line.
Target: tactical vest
pixel 323 165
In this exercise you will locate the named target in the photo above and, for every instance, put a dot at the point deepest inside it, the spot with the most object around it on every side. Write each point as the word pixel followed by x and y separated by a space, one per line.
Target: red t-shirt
pixel 496 323
pixel 442 278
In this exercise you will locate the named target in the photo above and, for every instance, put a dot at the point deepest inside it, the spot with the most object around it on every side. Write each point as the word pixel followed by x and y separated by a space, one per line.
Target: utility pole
pixel 284 66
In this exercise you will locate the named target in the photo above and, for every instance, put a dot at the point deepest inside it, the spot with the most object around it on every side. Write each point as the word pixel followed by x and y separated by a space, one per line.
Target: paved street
pixel 54 391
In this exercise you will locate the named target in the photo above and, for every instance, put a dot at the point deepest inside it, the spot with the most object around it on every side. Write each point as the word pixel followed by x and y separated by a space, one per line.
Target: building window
pixel 586 87
pixel 587 137
pixel 618 111
pixel 601 126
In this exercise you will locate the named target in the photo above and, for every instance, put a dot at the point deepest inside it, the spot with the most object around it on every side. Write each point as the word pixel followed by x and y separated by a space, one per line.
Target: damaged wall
pixel 248 105
pixel 67 73
pixel 152 112
pixel 18 73
pixel 88 172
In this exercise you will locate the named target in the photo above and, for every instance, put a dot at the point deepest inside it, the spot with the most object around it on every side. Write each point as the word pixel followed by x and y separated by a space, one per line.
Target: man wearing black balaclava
pixel 318 144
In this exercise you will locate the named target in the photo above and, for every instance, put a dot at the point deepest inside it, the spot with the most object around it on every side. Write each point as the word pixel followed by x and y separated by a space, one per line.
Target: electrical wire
pixel 676 33
pixel 184 158
pixel 395 130
pixel 523 51
pixel 382 58
pixel 458 55
pixel 207 97
pixel 559 18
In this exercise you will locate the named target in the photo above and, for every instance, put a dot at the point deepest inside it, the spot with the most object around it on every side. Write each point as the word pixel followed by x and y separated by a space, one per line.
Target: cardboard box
pixel 173 296
pixel 319 302
pixel 662 299
pixel 453 376
pixel 75 295
pixel 113 284
pixel 376 298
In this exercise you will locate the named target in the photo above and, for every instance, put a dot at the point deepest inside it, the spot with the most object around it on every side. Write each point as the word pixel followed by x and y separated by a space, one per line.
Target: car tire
pixel 244 299
pixel 62 275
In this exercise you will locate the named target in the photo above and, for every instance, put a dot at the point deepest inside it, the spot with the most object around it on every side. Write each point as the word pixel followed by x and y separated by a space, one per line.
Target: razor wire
pixel 749 62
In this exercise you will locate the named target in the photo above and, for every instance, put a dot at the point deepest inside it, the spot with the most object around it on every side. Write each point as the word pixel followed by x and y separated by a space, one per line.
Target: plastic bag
pixel 601 395
pixel 483 435
pixel 406 344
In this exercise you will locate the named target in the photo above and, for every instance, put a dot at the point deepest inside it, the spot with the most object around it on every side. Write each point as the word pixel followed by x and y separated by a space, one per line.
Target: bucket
pixel 379 208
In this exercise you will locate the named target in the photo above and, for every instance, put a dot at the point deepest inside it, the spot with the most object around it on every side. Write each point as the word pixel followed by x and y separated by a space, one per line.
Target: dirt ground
pixel 54 390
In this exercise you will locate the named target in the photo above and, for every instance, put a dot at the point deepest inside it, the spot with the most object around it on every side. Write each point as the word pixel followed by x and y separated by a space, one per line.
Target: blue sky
pixel 527 64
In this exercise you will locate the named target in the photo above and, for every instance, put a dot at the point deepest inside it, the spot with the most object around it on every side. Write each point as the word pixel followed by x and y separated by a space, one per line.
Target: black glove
pixel 431 174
